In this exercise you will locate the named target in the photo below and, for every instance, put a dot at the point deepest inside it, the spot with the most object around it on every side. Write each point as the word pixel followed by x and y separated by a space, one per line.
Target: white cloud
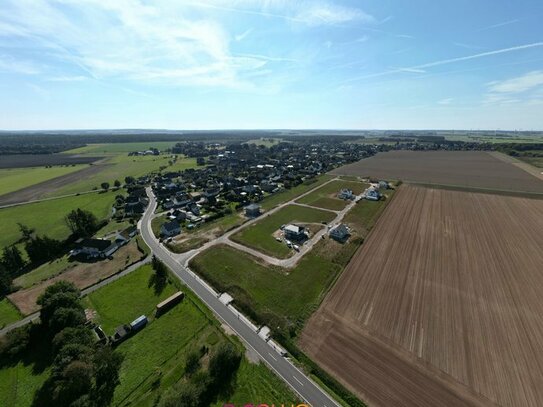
pixel 329 13
pixel 243 35
pixel 9 64
pixel 519 84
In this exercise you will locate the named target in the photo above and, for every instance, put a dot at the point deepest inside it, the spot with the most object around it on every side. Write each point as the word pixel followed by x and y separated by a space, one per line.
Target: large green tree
pixel 82 223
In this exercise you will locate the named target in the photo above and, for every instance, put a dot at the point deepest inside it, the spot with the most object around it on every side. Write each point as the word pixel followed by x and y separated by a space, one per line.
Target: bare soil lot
pixel 39 160
pixel 38 191
pixel 441 306
pixel 83 275
pixel 474 169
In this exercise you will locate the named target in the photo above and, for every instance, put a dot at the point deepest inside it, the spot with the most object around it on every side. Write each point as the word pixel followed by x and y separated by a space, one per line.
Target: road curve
pixel 301 384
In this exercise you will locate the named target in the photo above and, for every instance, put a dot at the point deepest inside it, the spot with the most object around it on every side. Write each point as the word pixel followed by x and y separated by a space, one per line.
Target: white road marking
pixel 272 356
pixel 298 380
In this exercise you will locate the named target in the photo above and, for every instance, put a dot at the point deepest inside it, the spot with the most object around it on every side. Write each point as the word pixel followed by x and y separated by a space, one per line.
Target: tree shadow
pixel 158 283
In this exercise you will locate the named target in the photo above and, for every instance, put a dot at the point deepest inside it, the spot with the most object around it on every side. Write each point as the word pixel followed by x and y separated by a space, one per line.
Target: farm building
pixel 170 229
pixel 294 232
pixel 340 233
pixel 138 323
pixel 252 210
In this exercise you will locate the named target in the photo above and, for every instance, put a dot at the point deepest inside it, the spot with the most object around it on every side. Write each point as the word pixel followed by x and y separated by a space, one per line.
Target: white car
pixel 278 239
pixel 296 247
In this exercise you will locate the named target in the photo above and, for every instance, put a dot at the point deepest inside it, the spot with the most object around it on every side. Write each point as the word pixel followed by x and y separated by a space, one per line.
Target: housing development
pixel 352 269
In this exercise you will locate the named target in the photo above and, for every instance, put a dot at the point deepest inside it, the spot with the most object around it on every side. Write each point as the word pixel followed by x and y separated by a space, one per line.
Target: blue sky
pixel 249 64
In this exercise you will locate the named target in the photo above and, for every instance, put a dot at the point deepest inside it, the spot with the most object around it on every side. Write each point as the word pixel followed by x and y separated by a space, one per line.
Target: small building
pixel 170 229
pixel 384 185
pixel 295 232
pixel 138 323
pixel 126 235
pixel 340 233
pixel 121 333
pixel 252 210
pixel 94 248
pixel 346 194
pixel 169 303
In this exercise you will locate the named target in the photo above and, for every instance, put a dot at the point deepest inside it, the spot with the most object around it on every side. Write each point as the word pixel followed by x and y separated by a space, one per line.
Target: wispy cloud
pixel 445 102
pixel 448 61
pixel 11 65
pixel 243 35
pixel 497 25
pixel 519 84
pixel 76 78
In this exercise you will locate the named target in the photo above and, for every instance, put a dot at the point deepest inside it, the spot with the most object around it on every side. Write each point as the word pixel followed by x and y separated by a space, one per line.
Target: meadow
pixel 260 235
pixel 271 201
pixel 154 358
pixel 326 196
pixel 117 148
pixel 47 217
pixel 14 179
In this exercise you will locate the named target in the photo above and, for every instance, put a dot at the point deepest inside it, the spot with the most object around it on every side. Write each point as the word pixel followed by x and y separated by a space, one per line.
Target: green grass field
pixel 272 294
pixel 14 179
pixel 8 313
pixel 535 161
pixel 326 196
pixel 260 235
pixel 120 166
pixel 19 383
pixel 43 272
pixel 272 201
pixel 154 358
pixel 116 148
pixel 48 217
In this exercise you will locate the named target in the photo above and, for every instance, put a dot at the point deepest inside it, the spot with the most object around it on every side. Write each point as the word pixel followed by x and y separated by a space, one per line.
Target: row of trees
pixel 82 374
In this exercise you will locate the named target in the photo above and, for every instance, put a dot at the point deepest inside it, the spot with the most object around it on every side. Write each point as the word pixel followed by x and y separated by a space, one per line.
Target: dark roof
pixel 252 207
pixel 99 244
pixel 173 225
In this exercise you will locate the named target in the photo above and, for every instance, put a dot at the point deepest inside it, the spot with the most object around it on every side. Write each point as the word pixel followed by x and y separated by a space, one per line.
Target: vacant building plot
pixel 83 275
pixel 326 197
pixel 262 235
pixel 441 306
pixel 475 169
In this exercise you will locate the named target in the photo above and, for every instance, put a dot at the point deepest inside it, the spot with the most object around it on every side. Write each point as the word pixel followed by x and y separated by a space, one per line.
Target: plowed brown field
pixel 473 169
pixel 442 306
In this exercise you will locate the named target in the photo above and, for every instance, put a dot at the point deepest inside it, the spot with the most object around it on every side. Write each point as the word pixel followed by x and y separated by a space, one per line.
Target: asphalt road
pixel 301 384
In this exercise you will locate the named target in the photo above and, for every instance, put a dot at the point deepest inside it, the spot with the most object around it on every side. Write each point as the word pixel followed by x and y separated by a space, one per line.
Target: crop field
pixel 47 217
pixel 259 236
pixel 326 196
pixel 474 169
pixel 120 166
pixel 14 179
pixel 442 304
pixel 41 160
pixel 116 148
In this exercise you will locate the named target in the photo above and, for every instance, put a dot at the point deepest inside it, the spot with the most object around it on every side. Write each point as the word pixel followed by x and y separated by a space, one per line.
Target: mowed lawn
pixel 120 166
pixel 14 179
pixel 47 217
pixel 155 357
pixel 8 313
pixel 326 196
pixel 260 235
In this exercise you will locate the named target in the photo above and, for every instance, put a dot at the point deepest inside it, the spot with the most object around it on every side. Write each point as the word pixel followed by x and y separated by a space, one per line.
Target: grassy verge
pixel 260 235
pixel 8 313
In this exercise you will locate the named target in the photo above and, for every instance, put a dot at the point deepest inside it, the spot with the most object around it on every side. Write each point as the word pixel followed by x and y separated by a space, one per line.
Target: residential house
pixel 94 248
pixel 340 233
pixel 295 232
pixel 346 194
pixel 252 210
pixel 170 229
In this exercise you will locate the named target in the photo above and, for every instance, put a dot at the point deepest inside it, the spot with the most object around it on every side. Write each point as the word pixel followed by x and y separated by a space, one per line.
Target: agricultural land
pixel 474 169
pixel 441 305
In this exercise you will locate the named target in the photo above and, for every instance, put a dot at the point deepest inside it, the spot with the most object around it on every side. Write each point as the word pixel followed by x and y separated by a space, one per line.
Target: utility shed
pixel 138 323
pixel 169 303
